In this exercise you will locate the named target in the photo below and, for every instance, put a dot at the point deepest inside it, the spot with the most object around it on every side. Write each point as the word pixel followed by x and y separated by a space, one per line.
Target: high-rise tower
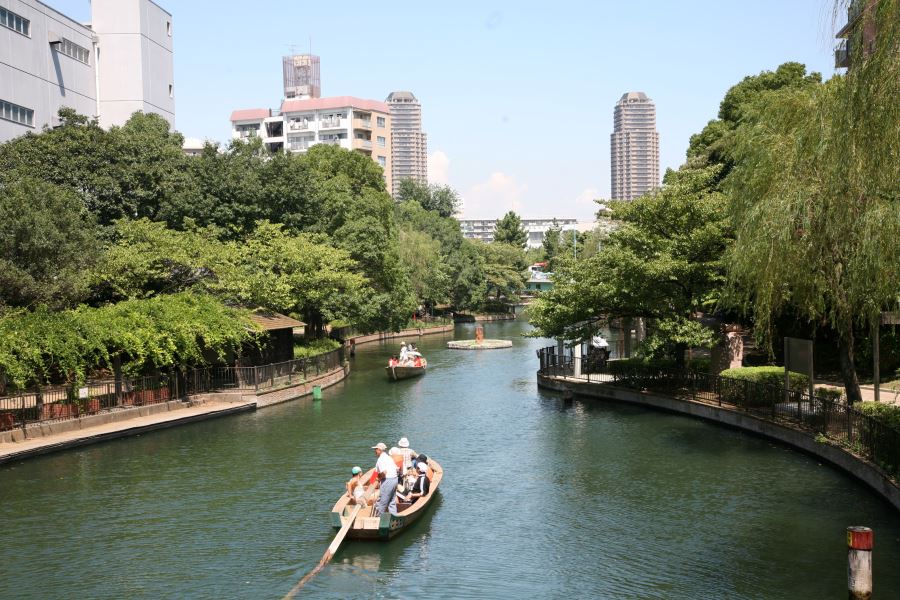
pixel 301 77
pixel 409 145
pixel 634 147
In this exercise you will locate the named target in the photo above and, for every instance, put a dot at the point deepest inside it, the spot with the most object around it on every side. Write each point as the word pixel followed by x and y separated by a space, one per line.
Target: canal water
pixel 542 498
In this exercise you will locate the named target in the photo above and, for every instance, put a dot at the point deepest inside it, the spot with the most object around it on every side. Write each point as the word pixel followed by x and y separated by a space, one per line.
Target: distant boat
pixel 386 526
pixel 412 368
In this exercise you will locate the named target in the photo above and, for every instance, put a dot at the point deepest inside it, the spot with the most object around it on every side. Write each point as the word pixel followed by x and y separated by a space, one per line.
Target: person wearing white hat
pixel 402 449
pixel 387 480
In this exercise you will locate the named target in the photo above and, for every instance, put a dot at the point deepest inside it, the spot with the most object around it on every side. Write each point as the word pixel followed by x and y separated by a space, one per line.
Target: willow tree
pixel 816 198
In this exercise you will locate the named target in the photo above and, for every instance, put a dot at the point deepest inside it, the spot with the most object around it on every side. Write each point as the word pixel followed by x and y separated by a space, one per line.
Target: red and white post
pixel 859 563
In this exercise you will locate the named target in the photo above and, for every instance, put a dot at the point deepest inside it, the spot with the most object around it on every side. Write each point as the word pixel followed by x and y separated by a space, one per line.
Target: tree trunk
pixel 848 369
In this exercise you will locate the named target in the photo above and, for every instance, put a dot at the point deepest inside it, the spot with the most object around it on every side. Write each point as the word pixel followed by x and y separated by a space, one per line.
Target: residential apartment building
pixel 301 76
pixel 634 147
pixel 409 144
pixel 483 229
pixel 858 34
pixel 120 63
pixel 352 123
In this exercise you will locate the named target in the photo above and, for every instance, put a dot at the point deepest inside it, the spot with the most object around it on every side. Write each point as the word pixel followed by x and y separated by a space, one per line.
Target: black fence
pixel 57 403
pixel 819 415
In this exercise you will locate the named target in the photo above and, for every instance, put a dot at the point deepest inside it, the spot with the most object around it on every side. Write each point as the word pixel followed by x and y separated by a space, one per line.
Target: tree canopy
pixel 509 230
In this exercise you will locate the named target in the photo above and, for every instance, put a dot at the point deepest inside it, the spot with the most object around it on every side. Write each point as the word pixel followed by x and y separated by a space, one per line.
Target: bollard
pixel 859 563
pixel 317 392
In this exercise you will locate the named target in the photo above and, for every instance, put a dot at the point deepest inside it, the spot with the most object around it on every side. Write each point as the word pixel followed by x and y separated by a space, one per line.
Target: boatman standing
pixel 387 476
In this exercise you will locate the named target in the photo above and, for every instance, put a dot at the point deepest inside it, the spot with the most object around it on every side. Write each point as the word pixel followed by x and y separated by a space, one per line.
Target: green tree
pixel 504 271
pixel 428 272
pixel 815 198
pixel 509 230
pixel 663 263
pixel 47 243
pixel 441 199
pixel 468 288
pixel 551 244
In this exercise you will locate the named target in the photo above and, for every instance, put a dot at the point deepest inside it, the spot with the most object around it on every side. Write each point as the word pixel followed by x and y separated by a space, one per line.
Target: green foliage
pixel 509 230
pixel 441 199
pixel 664 263
pixel 504 270
pixel 887 414
pixel 767 376
pixel 47 242
pixel 469 287
pixel 316 347
pixel 174 330
pixel 127 171
pixel 428 273
pixel 551 245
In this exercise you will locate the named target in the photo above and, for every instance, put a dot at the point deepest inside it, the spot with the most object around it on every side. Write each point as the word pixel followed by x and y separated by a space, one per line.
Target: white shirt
pixel 386 465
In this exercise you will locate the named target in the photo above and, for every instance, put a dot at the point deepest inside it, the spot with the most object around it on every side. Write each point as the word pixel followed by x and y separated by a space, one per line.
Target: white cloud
pixel 587 197
pixel 491 199
pixel 438 168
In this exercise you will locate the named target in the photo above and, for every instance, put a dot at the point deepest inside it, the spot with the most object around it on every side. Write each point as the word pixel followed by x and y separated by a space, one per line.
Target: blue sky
pixel 517 96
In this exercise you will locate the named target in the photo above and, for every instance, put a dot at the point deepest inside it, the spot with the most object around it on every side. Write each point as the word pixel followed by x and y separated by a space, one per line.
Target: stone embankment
pixel 52 436
pixel 383 336
pixel 864 470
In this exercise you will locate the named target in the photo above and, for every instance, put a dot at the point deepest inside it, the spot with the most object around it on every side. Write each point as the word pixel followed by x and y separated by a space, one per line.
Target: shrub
pixel 883 413
pixel 766 375
pixel 315 347
pixel 765 387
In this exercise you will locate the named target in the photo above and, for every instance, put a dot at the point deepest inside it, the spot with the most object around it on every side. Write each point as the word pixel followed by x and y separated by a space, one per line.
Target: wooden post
pixel 876 358
pixel 859 563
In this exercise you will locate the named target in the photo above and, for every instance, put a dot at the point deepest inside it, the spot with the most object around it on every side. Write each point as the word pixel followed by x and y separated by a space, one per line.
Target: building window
pixel 171 91
pixel 381 141
pixel 382 161
pixel 73 50
pixel 380 121
pixel 15 22
pixel 169 28
pixel 16 114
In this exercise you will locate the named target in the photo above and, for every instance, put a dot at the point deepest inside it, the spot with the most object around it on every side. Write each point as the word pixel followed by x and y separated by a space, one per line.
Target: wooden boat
pixel 397 372
pixel 386 526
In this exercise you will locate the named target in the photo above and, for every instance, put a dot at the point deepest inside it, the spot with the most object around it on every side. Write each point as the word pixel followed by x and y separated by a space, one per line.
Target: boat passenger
pixel 356 489
pixel 406 452
pixel 404 353
pixel 387 480
pixel 420 487
pixel 409 478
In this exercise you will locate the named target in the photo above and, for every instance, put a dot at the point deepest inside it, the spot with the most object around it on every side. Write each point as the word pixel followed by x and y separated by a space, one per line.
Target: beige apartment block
pixel 409 144
pixel 634 147
pixel 356 124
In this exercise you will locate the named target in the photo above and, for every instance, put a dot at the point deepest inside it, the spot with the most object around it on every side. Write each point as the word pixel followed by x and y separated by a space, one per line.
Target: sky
pixel 517 97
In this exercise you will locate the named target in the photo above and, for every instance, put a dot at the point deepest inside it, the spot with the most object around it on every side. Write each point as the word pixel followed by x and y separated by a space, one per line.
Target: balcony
pixel 362 123
pixel 362 144
pixel 331 142
pixel 299 126
pixel 333 123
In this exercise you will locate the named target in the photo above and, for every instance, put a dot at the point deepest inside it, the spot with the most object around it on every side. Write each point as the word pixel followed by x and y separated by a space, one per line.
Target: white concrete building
pixel 351 123
pixel 120 63
pixel 483 229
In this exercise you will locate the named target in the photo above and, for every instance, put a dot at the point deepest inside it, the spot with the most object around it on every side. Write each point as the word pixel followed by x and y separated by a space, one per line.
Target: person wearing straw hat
pixel 387 480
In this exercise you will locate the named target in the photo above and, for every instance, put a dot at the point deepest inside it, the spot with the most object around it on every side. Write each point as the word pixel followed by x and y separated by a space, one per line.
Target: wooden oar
pixel 332 549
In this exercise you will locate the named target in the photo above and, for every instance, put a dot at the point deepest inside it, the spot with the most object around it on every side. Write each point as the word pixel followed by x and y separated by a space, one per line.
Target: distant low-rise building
pixel 352 123
pixel 120 63
pixel 483 229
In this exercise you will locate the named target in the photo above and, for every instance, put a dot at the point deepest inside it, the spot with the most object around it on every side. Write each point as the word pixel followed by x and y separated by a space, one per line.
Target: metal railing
pixel 60 403
pixel 817 415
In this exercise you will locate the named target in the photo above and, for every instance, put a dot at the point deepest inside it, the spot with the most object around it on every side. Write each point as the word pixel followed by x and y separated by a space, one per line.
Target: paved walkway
pixel 12 451
pixel 886 396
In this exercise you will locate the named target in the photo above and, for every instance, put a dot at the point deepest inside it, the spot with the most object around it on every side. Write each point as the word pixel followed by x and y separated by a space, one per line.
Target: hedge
pixel 766 375
pixel 881 412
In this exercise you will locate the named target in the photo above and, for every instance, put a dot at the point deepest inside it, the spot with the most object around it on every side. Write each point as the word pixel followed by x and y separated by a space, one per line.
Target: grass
pixel 315 347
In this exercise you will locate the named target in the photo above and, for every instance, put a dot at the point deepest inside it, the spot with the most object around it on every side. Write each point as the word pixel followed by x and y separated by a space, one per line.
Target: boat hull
pixel 398 373
pixel 386 526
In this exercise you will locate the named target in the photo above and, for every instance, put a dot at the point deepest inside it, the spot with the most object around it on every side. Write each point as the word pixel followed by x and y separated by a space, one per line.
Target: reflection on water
pixel 543 496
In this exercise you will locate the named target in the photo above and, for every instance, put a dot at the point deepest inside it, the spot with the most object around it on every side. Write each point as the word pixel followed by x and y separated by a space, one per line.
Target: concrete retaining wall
pixel 268 398
pixel 53 427
pixel 390 335
pixel 867 472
